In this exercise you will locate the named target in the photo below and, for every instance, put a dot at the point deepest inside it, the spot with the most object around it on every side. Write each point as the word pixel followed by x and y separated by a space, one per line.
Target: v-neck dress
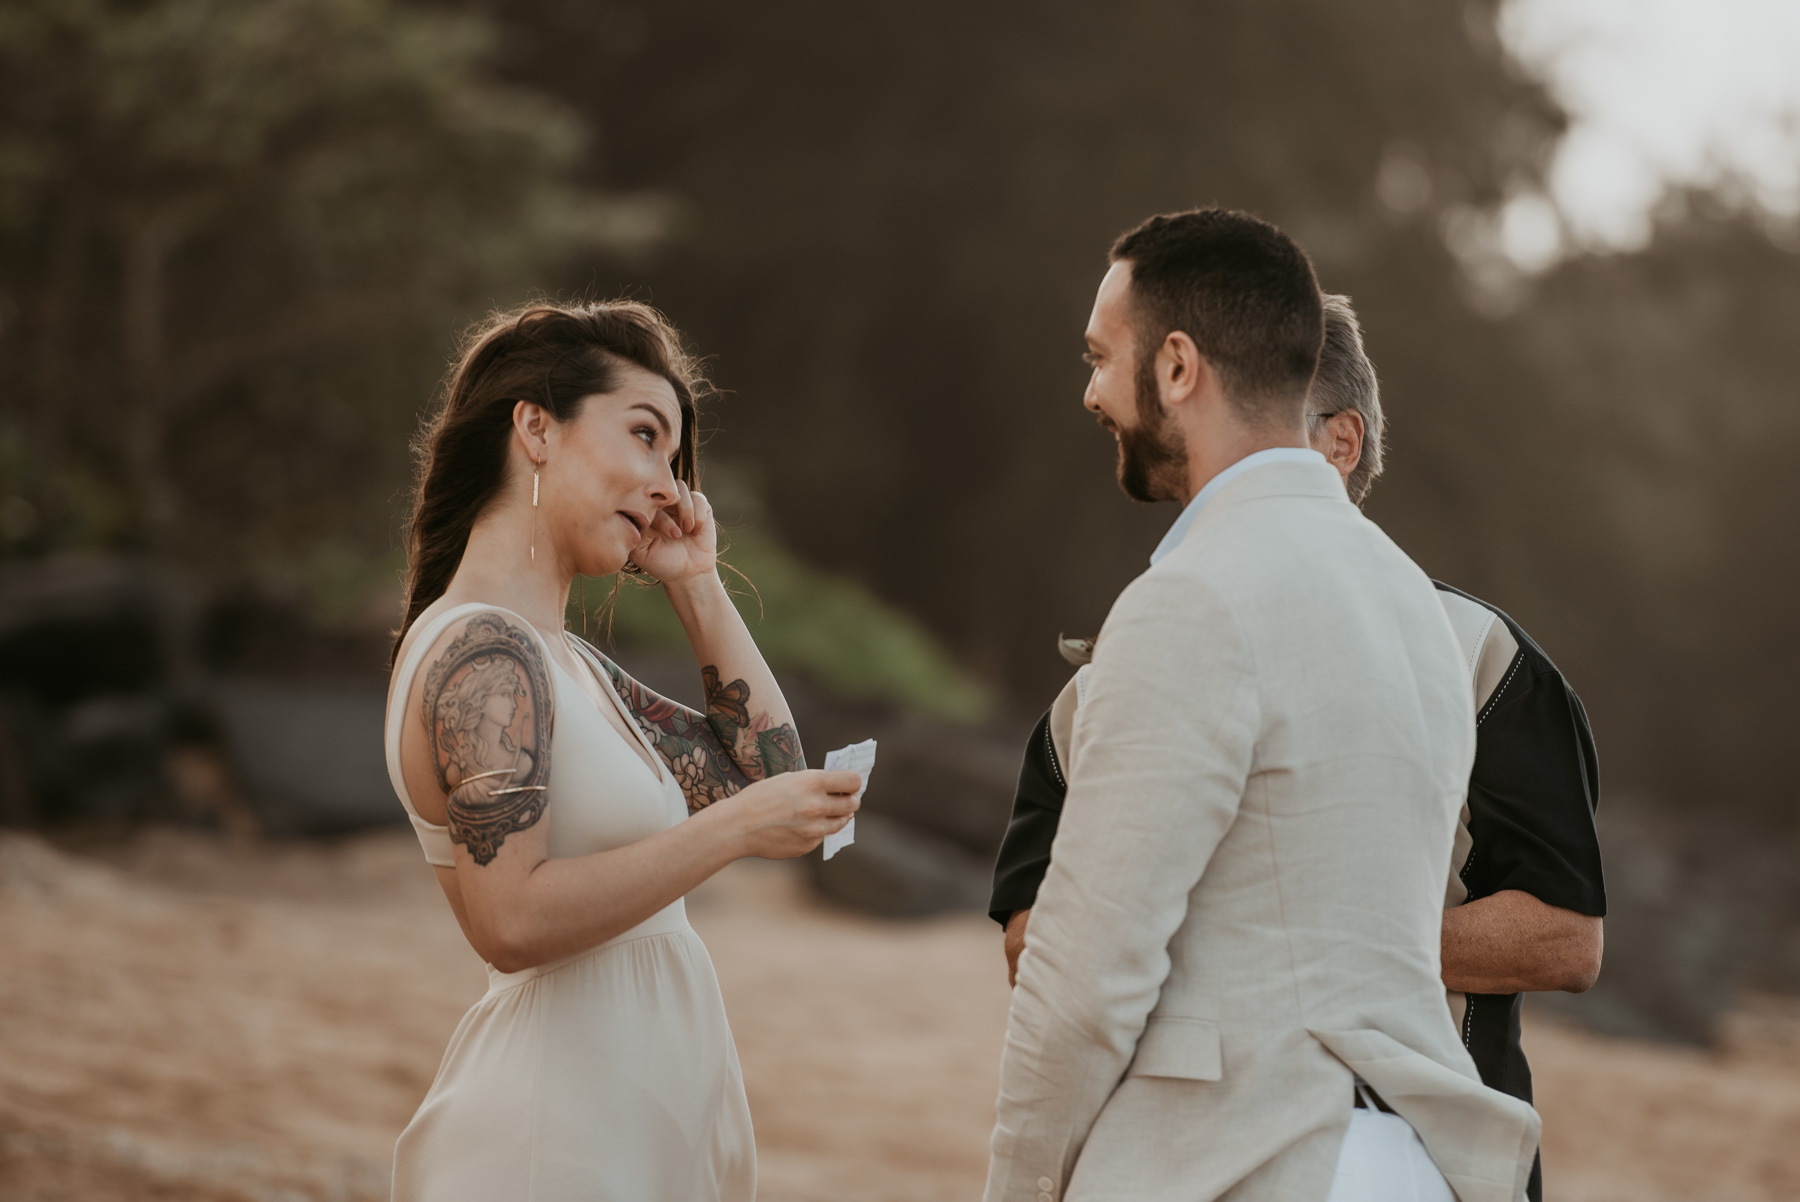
pixel 607 1075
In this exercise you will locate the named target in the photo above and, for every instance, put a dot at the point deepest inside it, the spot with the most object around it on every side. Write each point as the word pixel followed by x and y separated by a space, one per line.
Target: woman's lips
pixel 635 525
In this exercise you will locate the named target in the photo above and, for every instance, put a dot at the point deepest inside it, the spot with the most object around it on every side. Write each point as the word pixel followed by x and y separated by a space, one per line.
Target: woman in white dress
pixel 566 809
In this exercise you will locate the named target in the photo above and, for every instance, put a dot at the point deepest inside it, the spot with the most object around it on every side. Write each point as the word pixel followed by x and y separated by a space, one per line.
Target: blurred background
pixel 237 242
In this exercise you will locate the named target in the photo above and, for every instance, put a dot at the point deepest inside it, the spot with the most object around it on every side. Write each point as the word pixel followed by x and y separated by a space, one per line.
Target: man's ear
pixel 1344 440
pixel 1347 432
pixel 532 422
pixel 1182 372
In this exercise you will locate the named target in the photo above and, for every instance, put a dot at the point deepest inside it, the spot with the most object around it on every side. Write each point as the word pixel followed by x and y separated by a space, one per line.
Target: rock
pixel 896 870
pixel 309 755
pixel 92 674
pixel 1695 914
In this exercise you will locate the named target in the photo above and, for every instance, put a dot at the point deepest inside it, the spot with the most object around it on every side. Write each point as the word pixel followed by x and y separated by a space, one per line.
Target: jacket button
pixel 1044 1197
pixel 1044 1183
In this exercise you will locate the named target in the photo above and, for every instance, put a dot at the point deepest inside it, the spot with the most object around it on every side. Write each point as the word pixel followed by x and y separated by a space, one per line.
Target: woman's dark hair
pixel 550 354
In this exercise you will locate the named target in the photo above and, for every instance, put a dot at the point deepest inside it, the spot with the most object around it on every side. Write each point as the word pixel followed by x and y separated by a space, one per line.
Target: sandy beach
pixel 206 1018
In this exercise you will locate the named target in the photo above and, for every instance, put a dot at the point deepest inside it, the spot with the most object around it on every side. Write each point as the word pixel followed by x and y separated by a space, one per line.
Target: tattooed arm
pixel 488 707
pixel 479 762
pixel 747 733
pixel 713 754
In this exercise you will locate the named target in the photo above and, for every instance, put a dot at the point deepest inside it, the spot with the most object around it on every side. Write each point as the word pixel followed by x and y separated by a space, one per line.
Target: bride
pixel 565 808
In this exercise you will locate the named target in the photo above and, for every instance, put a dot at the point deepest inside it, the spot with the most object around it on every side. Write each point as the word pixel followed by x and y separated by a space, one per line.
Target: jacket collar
pixel 1280 461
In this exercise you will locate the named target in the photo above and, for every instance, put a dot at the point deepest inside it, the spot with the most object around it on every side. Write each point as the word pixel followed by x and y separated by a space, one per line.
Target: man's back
pixel 1269 760
pixel 1364 739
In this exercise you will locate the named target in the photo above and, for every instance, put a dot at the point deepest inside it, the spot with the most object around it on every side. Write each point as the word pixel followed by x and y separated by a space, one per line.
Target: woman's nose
pixel 662 487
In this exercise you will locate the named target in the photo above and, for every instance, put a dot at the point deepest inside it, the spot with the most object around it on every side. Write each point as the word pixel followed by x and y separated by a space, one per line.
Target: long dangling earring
pixel 534 508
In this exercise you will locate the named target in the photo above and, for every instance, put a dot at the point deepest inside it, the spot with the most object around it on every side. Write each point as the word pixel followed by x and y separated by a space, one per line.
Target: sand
pixel 206 1018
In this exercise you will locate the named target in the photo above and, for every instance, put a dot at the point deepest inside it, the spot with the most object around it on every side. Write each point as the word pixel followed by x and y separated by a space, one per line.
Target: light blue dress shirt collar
pixel 1179 530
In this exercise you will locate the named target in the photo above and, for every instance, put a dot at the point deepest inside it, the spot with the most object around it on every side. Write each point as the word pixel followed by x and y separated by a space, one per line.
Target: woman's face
pixel 610 471
pixel 500 708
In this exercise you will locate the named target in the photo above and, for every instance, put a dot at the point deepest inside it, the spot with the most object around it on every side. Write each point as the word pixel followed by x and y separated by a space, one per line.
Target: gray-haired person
pixel 1524 898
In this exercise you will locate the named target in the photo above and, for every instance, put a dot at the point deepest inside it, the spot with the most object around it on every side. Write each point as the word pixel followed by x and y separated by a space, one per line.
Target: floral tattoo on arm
pixel 714 754
pixel 488 708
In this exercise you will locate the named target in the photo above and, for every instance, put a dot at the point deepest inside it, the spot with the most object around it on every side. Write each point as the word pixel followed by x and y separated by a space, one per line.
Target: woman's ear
pixel 532 423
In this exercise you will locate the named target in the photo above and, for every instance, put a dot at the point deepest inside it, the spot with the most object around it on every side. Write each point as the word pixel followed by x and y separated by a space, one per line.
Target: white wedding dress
pixel 608 1075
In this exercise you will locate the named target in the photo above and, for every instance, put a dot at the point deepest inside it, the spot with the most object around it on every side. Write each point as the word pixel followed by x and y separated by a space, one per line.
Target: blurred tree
pixel 1642 512
pixel 233 237
pixel 1661 475
pixel 902 213
pixel 234 232
pixel 901 216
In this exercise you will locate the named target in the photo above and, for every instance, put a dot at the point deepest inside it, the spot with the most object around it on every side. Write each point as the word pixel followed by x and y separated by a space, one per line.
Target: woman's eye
pixel 1091 359
pixel 647 433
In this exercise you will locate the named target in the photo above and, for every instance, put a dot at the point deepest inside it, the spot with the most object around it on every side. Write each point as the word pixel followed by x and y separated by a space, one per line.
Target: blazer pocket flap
pixel 1178 1047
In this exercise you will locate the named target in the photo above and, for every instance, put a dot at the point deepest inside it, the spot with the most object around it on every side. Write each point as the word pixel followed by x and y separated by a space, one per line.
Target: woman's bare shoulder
pixel 482 708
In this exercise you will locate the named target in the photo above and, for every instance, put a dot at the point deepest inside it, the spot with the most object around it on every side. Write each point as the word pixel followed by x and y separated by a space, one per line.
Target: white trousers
pixel 1383 1160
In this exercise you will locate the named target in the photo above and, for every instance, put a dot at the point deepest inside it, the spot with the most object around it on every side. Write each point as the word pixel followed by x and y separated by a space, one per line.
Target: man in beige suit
pixel 1241 917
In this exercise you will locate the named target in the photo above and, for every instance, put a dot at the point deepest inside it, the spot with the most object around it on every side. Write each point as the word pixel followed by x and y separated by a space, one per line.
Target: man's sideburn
pixel 1152 456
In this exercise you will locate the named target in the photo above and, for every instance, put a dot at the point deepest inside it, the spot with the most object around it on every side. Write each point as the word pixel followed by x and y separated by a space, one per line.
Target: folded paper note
pixel 860 759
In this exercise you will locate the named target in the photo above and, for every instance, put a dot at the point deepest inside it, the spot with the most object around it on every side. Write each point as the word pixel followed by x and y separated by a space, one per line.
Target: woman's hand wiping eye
pixel 682 541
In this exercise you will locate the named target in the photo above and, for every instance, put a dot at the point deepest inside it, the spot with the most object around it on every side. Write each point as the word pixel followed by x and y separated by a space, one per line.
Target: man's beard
pixel 1152 455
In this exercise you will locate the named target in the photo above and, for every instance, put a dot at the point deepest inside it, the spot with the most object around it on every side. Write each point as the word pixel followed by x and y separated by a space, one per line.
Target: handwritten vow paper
pixel 860 759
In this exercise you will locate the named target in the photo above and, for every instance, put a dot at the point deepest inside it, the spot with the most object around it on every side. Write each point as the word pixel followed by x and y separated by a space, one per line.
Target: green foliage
pixel 234 237
pixel 804 619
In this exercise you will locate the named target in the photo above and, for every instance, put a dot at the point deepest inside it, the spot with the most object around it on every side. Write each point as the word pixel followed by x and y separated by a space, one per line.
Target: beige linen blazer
pixel 1244 900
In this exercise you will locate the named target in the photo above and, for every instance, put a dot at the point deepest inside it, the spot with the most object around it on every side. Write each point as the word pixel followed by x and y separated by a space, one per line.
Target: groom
pixel 1241 921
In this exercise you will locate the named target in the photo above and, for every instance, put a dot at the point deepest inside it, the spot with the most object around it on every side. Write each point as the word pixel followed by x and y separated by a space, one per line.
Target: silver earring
pixel 534 505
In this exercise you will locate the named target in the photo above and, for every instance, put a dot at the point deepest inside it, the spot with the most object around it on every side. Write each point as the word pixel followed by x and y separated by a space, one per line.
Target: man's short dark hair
pixel 1242 290
pixel 1346 380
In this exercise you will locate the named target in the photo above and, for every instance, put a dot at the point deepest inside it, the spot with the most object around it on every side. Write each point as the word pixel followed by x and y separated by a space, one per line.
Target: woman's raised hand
pixel 683 539
pixel 789 815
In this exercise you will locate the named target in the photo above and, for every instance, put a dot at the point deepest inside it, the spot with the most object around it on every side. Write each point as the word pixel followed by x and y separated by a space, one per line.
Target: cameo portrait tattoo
pixel 488 707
